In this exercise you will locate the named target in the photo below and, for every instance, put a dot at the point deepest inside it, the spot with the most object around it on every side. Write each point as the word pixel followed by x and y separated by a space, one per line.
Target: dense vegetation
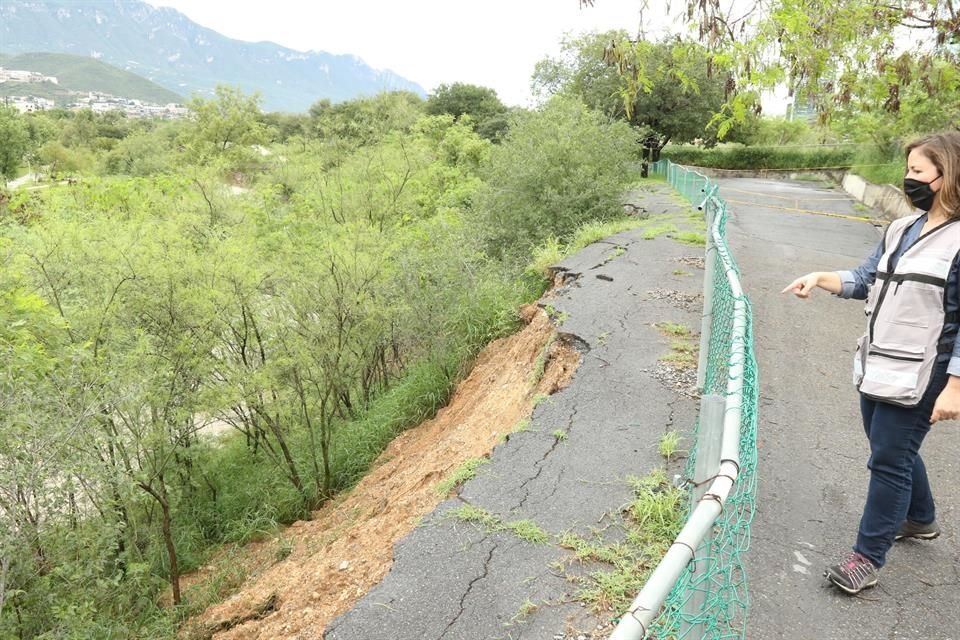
pixel 309 284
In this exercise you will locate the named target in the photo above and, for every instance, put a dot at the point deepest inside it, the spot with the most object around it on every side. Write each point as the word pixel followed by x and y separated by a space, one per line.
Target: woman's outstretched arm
pixel 802 286
pixel 846 284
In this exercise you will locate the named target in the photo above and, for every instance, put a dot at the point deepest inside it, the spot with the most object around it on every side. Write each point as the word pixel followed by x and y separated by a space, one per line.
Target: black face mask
pixel 920 193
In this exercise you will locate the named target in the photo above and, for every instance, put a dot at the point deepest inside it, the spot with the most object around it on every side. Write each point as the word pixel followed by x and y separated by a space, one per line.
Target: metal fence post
pixel 709 443
pixel 709 266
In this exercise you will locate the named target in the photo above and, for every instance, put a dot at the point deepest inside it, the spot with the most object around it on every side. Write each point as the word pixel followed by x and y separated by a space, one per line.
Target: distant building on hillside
pixel 27 104
pixel 104 103
pixel 16 75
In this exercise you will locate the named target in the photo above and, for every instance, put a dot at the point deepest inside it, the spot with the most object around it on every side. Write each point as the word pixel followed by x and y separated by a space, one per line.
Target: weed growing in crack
pixel 658 230
pixel 697 220
pixel 553 250
pixel 602 338
pixel 614 254
pixel 651 522
pixel 528 607
pixel 466 471
pixel 669 445
pixel 674 329
pixel 683 353
pixel 679 359
pixel 594 231
pixel 521 427
pixel 587 551
pixel 657 513
pixel 560 435
pixel 649 482
pixel 681 272
pixel 683 347
pixel 558 567
pixel 526 530
pixel 476 515
pixel 692 238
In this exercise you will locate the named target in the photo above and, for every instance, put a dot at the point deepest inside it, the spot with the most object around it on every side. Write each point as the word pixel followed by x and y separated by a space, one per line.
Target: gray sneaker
pixel 911 529
pixel 853 574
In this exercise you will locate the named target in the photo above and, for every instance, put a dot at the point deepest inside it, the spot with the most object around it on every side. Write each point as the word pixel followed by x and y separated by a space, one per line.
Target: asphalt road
pixel 459 581
pixel 456 580
pixel 812 450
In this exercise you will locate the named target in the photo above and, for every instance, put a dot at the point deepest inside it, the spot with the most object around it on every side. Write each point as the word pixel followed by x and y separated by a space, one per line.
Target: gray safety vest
pixel 905 315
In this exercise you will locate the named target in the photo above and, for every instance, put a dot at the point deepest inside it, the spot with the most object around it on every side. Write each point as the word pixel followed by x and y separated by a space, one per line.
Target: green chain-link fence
pixel 710 599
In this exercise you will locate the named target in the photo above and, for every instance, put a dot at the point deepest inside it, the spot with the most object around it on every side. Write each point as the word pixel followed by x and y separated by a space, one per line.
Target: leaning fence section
pixel 699 589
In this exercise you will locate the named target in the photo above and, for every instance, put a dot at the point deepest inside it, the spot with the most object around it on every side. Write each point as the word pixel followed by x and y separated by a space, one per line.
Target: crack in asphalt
pixel 670 416
pixel 466 594
pixel 470 546
pixel 606 363
pixel 556 485
pixel 609 258
pixel 539 463
pixel 894 628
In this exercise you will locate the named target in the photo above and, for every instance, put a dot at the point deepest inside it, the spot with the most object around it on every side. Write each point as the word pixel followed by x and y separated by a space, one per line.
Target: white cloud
pixel 494 43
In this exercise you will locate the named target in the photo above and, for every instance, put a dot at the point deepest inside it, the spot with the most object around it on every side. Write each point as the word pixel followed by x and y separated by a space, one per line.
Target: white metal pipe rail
pixel 635 623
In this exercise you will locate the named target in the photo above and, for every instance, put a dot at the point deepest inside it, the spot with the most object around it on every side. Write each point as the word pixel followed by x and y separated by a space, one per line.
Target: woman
pixel 907 363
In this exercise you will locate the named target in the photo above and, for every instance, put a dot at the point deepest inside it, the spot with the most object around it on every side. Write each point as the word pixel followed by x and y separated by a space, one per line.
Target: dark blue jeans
pixel 899 488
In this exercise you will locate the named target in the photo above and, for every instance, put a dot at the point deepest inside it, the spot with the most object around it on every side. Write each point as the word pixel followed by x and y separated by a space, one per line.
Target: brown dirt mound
pixel 346 549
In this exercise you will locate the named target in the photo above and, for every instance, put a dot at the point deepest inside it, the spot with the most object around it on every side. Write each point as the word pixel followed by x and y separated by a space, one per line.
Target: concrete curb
pixel 886 198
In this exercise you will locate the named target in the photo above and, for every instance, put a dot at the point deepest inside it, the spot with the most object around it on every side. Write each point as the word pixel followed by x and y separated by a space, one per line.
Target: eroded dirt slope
pixel 348 546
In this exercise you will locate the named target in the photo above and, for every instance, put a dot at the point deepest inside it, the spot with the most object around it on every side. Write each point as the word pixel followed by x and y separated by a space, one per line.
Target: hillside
pixel 79 74
pixel 314 583
pixel 166 47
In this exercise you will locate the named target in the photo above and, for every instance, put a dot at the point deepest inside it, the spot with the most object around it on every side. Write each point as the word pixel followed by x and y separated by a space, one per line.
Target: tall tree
pixel 13 141
pixel 863 55
pixel 365 121
pixel 225 128
pixel 665 88
pixel 481 104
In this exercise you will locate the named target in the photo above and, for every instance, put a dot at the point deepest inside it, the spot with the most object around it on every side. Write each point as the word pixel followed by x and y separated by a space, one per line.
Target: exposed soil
pixel 331 561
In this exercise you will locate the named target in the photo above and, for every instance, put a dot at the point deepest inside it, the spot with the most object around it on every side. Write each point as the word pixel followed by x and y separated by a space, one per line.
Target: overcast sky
pixel 494 43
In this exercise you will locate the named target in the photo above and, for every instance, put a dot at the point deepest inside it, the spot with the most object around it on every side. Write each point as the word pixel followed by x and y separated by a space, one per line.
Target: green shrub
pixel 878 166
pixel 555 170
pixel 737 157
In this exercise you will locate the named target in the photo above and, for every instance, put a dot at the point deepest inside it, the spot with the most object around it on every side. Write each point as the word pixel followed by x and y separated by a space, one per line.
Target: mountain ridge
pixel 166 47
